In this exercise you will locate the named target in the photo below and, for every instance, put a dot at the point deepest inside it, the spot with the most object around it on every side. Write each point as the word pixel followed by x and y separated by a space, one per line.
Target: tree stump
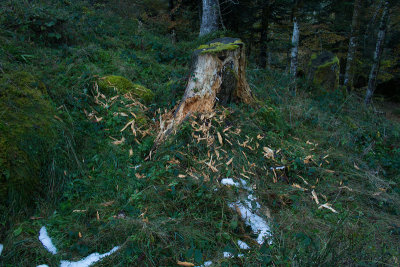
pixel 217 76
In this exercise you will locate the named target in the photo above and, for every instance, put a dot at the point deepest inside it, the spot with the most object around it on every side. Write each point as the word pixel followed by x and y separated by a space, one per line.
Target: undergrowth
pixel 169 205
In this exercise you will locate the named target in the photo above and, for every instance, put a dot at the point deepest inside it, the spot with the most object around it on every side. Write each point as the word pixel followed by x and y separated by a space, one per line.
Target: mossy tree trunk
pixel 348 76
pixel 217 76
pixel 377 55
pixel 294 53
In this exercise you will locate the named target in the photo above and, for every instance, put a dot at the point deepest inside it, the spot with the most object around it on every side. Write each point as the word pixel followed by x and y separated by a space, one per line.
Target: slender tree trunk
pixel 349 74
pixel 377 55
pixel 209 19
pixel 171 8
pixel 264 34
pixel 294 53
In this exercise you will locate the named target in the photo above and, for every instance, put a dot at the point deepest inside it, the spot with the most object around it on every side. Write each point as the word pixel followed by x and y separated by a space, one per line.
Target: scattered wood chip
pixel 80 235
pixel 268 153
pixel 181 176
pixel 328 206
pixel 229 162
pixel 184 263
pixel 220 138
pixel 108 203
pixel 356 167
pixel 97 215
pixel 314 196
pixel 299 187
pixel 308 159
pixel 78 211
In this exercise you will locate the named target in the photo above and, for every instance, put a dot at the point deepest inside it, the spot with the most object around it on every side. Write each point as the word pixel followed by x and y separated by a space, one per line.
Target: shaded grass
pixel 172 207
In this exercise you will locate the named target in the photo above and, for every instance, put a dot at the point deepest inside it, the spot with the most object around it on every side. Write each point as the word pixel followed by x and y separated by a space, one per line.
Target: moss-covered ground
pixel 169 205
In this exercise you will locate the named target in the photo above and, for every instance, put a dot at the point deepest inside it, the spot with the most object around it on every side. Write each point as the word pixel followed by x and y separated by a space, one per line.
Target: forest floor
pixel 336 201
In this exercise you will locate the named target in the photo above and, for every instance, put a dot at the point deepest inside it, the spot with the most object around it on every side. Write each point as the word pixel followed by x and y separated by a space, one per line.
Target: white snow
pixel 43 265
pixel 242 245
pixel 228 255
pixel 229 181
pixel 278 168
pixel 89 260
pixel 257 224
pixel 1 248
pixel 46 241
pixel 205 264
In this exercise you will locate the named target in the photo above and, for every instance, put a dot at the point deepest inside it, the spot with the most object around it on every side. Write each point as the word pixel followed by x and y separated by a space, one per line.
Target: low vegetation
pixel 83 88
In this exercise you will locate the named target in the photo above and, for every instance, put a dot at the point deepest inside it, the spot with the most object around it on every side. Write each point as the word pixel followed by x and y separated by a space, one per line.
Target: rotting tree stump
pixel 218 75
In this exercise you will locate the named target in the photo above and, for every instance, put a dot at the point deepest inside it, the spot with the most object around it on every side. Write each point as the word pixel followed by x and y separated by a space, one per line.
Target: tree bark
pixel 377 55
pixel 218 75
pixel 264 34
pixel 209 19
pixel 349 74
pixel 294 53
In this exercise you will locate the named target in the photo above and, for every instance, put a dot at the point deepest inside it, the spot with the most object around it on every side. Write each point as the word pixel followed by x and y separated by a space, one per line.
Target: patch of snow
pixel 228 255
pixel 242 245
pixel 240 255
pixel 1 248
pixel 89 260
pixel 257 224
pixel 229 181
pixel 278 168
pixel 43 265
pixel 46 241
pixel 206 264
pixel 245 186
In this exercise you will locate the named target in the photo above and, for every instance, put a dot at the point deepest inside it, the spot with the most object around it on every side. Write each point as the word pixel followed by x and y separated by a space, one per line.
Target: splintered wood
pixel 216 77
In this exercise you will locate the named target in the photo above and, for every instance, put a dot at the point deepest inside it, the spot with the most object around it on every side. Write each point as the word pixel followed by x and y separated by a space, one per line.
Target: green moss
pixel 327 74
pixel 26 136
pixel 218 47
pixel 112 84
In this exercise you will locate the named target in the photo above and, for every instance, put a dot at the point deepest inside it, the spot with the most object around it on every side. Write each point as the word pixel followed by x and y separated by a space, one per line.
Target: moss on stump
pixel 26 136
pixel 113 84
pixel 324 70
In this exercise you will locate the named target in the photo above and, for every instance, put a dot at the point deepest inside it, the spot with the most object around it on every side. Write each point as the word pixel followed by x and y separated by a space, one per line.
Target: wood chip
pixel 315 197
pixel 184 263
pixel 229 162
pixel 220 138
pixel 328 206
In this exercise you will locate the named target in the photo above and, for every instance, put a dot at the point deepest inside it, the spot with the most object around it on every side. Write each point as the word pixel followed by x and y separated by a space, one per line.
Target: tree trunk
pixel 217 76
pixel 264 34
pixel 209 19
pixel 294 53
pixel 349 74
pixel 377 55
pixel 171 8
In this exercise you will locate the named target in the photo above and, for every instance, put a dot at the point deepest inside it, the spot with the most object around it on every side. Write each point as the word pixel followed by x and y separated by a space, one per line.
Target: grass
pixel 172 207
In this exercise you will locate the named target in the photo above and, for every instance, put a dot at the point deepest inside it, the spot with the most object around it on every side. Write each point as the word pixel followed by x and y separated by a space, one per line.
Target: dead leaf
pixel 80 235
pixel 97 215
pixel 260 137
pixel 130 152
pixel 184 263
pixel 181 176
